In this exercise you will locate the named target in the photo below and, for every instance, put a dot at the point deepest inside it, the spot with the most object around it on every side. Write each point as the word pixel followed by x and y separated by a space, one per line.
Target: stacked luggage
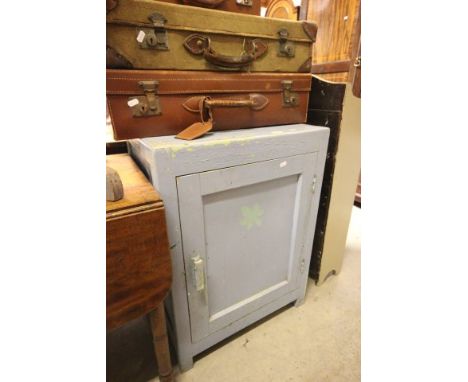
pixel 183 70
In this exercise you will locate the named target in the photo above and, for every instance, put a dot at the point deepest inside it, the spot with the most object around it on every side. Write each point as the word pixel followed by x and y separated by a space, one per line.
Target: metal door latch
pixel 156 37
pixel 286 48
pixel 148 104
pixel 290 98
pixel 247 3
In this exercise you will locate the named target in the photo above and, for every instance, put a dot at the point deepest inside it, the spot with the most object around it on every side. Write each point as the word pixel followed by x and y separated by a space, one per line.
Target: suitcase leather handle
pixel 201 45
pixel 200 104
pixel 255 102
pixel 229 103
pixel 204 106
pixel 204 3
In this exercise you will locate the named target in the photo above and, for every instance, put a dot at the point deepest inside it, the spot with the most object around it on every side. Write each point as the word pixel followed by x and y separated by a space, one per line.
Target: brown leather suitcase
pixel 250 7
pixel 147 103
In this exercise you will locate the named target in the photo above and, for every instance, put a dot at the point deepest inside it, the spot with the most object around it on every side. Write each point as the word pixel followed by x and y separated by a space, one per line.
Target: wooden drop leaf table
pixel 138 262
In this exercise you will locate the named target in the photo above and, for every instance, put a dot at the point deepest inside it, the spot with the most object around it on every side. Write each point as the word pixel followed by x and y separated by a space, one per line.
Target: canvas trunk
pixel 251 7
pixel 146 34
pixel 147 103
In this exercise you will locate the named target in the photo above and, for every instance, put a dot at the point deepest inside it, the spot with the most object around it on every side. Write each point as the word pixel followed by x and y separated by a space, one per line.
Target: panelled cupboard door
pixel 243 231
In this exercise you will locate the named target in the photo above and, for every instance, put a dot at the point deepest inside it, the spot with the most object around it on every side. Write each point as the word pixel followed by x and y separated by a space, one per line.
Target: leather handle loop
pixel 204 3
pixel 201 45
pixel 202 109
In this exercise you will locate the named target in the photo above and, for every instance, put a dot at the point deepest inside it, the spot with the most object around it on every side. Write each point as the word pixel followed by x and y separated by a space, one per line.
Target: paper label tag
pixel 133 102
pixel 141 36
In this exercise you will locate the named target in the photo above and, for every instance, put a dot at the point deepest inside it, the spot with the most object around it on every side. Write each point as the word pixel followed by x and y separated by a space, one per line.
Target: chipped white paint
pixel 174 150
pixel 227 142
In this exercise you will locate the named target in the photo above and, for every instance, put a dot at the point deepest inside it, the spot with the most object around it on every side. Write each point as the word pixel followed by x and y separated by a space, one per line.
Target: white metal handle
pixel 198 273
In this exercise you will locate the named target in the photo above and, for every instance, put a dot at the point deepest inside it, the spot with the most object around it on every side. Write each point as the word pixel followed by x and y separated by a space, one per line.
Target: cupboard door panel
pixel 242 233
pixel 247 244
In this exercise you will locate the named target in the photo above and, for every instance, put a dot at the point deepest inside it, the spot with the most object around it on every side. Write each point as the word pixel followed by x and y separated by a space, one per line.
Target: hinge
pixel 314 182
pixel 147 105
pixel 290 98
pixel 286 48
pixel 247 3
pixel 357 62
pixel 156 37
pixel 302 266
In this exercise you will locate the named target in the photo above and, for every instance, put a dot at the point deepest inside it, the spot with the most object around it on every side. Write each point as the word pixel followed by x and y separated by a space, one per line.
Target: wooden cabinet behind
pixel 281 9
pixel 337 37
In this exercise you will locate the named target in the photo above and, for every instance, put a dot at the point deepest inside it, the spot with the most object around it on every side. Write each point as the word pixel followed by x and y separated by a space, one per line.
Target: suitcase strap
pixel 205 106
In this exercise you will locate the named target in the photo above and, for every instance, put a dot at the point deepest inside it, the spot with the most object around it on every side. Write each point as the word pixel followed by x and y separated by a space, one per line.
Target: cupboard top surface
pixel 226 138
pixel 167 157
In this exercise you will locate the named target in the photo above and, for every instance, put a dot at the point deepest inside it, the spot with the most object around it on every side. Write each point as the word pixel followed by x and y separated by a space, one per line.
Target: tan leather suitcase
pixel 146 103
pixel 250 7
pixel 146 34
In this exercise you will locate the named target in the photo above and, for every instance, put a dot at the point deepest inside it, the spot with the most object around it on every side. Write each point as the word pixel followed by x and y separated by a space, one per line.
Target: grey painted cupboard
pixel 240 208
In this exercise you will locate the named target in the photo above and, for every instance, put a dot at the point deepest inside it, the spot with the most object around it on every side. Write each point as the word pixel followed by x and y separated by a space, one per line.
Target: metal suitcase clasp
pixel 148 104
pixel 156 37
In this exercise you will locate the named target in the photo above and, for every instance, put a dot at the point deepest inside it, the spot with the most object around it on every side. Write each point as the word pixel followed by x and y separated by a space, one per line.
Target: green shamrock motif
pixel 251 216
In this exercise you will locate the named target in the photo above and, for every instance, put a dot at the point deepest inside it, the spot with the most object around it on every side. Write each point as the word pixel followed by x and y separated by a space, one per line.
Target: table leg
pixel 161 344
